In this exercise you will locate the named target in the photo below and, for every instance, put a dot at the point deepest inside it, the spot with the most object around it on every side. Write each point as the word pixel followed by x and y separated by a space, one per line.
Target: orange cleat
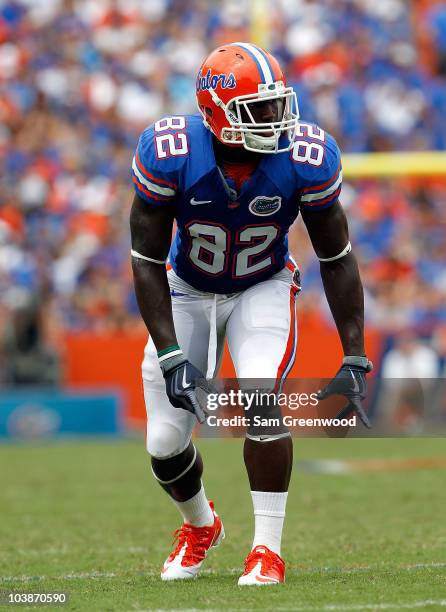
pixel 262 566
pixel 193 544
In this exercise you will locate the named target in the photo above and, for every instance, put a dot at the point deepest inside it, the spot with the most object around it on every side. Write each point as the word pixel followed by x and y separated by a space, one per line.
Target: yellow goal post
pixel 394 164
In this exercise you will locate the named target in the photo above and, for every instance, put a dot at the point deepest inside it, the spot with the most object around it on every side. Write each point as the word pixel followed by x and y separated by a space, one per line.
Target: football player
pixel 234 178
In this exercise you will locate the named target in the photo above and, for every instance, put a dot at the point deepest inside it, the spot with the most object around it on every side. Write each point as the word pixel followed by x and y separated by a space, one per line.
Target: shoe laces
pixel 263 555
pixel 195 538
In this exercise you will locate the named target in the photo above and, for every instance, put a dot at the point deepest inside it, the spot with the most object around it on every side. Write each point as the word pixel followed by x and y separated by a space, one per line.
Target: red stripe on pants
pixel 291 340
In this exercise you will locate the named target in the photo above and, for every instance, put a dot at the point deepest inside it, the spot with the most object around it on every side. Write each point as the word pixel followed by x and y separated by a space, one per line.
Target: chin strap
pixel 216 99
pixel 223 106
pixel 266 143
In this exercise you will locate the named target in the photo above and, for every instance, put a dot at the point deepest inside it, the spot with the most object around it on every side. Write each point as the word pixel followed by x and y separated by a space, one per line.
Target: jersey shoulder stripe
pixel 331 198
pixel 162 191
pixel 323 185
pixel 150 176
pixel 318 195
pixel 139 188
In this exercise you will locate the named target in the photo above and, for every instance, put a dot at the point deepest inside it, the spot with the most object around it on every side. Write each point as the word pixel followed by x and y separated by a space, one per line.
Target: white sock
pixel 269 514
pixel 196 510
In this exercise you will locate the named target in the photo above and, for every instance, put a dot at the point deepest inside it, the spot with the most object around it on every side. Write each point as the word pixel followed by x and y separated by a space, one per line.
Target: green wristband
pixel 169 349
pixel 169 352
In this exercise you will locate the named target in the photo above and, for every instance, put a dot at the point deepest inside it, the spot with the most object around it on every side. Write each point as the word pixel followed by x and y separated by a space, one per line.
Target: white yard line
pixel 376 606
pixel 37 552
pixel 410 605
pixel 232 570
pixel 366 568
pixel 80 576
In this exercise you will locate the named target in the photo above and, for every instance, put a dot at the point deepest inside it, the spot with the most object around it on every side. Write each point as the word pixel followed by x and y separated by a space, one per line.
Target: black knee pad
pixel 265 416
pixel 167 471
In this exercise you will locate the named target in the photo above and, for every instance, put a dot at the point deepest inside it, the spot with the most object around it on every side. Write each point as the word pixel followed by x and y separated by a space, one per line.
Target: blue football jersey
pixel 227 241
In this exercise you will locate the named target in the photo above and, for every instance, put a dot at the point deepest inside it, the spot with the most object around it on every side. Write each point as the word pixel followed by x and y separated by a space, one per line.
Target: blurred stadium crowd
pixel 79 79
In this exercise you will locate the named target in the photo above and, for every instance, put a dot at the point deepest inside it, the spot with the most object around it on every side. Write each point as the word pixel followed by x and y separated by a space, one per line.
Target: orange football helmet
pixel 243 98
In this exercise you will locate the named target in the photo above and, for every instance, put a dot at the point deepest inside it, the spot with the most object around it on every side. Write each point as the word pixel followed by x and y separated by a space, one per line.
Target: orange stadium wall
pixel 113 360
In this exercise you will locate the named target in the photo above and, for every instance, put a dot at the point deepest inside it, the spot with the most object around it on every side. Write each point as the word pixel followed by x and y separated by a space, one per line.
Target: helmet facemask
pixel 242 113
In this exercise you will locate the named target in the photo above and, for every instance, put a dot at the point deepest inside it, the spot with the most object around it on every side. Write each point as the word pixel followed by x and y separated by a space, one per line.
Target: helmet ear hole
pixel 207 111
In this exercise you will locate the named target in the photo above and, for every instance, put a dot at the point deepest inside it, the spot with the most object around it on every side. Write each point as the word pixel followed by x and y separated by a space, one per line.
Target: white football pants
pixel 260 327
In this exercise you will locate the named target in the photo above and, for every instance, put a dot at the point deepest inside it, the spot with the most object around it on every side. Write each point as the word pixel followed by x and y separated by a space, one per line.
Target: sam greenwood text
pixel 288 421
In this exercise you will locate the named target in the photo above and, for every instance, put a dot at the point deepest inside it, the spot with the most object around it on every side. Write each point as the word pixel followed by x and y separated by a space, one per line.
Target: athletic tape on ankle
pixel 356 361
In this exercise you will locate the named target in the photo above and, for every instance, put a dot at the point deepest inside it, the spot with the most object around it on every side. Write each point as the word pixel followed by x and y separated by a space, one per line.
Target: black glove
pixel 350 381
pixel 182 380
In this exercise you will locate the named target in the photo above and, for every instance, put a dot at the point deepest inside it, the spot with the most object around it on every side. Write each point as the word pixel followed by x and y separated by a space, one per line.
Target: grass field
pixel 87 518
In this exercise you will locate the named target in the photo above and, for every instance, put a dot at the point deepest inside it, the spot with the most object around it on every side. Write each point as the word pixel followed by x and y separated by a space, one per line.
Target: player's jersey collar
pixel 266 166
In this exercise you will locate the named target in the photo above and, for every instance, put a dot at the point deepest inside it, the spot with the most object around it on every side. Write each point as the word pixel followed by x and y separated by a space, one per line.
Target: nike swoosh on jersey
pixel 194 202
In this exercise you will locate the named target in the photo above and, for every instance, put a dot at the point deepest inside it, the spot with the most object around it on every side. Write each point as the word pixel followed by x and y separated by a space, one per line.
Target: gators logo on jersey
pixel 263 205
